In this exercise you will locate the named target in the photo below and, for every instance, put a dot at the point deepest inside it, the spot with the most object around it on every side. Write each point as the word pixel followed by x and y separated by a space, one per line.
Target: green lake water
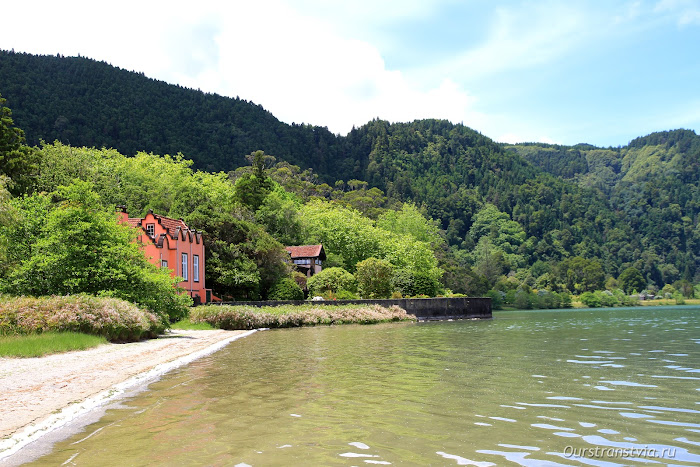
pixel 526 388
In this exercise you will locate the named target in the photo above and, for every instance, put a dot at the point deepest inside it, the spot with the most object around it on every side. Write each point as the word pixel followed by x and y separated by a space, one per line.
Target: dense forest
pixel 502 218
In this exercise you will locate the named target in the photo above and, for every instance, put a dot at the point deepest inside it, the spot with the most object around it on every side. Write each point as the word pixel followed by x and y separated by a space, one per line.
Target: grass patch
pixel 187 324
pixel 38 345
pixel 669 301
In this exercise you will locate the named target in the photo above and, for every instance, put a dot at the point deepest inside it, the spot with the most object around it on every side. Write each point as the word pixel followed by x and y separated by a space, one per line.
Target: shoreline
pixel 41 395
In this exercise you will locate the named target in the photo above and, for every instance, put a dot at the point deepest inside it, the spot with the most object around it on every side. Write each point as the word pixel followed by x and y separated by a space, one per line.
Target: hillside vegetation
pixel 446 207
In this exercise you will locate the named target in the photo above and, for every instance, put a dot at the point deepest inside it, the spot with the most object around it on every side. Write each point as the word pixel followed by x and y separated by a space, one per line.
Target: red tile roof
pixel 171 225
pixel 306 251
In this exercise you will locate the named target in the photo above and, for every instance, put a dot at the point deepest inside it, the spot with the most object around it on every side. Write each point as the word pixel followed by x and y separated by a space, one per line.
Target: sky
pixel 601 72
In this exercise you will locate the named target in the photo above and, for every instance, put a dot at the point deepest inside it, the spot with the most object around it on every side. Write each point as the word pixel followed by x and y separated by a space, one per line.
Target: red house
pixel 170 243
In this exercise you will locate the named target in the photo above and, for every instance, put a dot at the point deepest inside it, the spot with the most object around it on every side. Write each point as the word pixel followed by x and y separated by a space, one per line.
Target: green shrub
pixel 114 319
pixel 374 278
pixel 331 280
pixel 590 300
pixel 606 298
pixel 523 300
pixel 680 300
pixel 497 298
pixel 286 289
pixel 565 299
pixel 345 295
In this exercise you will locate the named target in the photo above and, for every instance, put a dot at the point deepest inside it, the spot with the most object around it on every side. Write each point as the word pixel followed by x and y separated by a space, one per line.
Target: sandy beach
pixel 40 394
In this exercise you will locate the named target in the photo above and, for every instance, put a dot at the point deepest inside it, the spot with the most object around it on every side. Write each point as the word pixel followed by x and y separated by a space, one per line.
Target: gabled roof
pixel 171 225
pixel 306 251
pixel 176 228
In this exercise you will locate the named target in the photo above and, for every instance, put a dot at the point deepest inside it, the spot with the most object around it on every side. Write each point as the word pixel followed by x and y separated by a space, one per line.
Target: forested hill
pixel 84 102
pixel 527 208
pixel 654 182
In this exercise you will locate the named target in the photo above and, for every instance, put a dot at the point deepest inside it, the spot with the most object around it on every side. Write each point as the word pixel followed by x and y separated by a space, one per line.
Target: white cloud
pixel 301 70
pixel 293 60
pixel 686 12
pixel 522 38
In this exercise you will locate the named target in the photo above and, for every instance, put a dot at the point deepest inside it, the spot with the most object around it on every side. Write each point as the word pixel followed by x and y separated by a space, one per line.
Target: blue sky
pixel 600 72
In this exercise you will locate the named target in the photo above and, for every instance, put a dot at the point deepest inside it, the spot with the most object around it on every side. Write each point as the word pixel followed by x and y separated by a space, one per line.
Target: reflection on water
pixel 603 388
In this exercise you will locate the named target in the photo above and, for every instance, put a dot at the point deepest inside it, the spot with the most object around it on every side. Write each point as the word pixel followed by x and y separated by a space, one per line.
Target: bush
pixel 565 299
pixel 523 301
pixel 345 295
pixel 331 280
pixel 590 300
pixel 286 289
pixel 606 298
pixel 114 319
pixel 374 278
pixel 497 298
pixel 245 317
pixel 411 283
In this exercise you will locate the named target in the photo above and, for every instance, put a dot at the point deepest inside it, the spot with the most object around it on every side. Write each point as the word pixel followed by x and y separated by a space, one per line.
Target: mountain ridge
pixel 570 200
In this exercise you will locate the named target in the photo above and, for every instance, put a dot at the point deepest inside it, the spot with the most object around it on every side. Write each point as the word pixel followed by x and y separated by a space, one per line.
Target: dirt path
pixel 33 390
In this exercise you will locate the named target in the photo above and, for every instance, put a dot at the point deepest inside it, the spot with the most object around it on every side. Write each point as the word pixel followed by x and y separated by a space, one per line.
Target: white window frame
pixel 195 268
pixel 151 230
pixel 163 263
pixel 183 264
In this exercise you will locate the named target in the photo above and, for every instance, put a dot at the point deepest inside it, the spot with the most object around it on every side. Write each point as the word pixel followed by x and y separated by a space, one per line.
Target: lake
pixel 578 387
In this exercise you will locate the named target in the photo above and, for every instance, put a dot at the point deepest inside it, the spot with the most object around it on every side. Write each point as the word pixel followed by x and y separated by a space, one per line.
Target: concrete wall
pixel 423 308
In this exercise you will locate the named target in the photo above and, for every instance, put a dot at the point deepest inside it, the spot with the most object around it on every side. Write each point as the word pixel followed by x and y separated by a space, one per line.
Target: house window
pixel 163 263
pixel 195 268
pixel 184 266
pixel 151 230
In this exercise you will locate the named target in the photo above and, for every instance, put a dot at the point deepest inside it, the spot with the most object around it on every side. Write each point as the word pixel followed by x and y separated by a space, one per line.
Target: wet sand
pixel 38 395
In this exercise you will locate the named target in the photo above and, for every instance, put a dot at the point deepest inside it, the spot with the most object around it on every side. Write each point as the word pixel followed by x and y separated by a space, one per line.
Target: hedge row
pixel 248 317
pixel 112 318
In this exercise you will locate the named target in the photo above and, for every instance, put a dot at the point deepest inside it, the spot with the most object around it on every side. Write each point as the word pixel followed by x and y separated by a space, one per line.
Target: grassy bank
pixel 670 301
pixel 38 345
pixel 249 317
pixel 187 324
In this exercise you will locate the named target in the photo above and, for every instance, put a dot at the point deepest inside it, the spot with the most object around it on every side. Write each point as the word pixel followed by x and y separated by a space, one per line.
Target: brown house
pixel 308 259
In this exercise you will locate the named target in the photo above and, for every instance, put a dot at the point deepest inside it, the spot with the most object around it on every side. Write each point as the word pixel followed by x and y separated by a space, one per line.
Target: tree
pixel 409 221
pixel 17 161
pixel 374 278
pixel 279 213
pixel 632 280
pixel 286 289
pixel 503 233
pixel 580 275
pixel 252 188
pixel 8 216
pixel 80 248
pixel 243 260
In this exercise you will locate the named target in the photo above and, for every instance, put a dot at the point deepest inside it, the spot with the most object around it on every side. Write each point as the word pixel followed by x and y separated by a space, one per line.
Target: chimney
pixel 123 215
